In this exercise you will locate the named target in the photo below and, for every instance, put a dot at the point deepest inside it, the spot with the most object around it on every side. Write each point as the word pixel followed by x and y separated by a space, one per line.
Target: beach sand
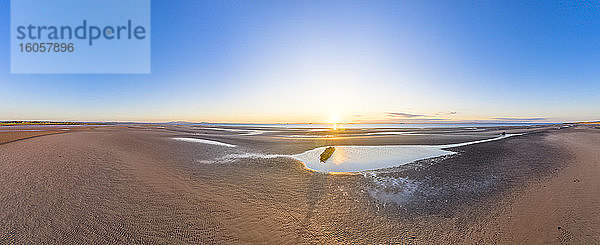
pixel 137 185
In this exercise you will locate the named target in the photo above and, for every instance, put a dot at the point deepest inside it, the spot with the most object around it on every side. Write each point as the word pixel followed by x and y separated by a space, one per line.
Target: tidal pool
pixel 362 158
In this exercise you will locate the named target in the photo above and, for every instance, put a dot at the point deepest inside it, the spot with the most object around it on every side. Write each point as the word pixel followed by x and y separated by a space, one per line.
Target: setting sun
pixel 334 120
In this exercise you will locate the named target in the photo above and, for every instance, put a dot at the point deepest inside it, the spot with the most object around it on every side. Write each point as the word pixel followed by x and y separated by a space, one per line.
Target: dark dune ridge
pixel 137 185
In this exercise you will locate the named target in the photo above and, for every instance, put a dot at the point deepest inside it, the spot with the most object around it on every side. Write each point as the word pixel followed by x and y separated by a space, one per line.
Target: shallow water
pixel 362 158
pixel 239 131
pixel 370 125
pixel 203 141
pixel 354 158
pixel 390 133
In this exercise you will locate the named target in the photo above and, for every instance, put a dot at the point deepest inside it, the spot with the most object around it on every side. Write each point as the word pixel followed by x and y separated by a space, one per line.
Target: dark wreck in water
pixel 327 153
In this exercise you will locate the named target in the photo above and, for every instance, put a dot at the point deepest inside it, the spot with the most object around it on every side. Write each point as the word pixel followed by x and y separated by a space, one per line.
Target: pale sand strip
pixel 203 141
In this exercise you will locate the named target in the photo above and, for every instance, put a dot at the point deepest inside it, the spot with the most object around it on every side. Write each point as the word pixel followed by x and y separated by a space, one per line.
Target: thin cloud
pixel 521 119
pixel 446 113
pixel 404 115
pixel 428 119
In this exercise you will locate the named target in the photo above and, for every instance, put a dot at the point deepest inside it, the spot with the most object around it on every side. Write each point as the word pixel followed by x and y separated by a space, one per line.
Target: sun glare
pixel 335 122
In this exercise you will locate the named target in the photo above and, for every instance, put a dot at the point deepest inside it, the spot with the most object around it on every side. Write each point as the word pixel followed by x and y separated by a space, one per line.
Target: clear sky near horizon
pixel 337 61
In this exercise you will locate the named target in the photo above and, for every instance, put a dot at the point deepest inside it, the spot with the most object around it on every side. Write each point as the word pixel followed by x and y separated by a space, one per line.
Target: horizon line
pixel 291 123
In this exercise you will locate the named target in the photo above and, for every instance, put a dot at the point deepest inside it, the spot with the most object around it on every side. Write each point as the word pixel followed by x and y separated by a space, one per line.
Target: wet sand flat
pixel 139 185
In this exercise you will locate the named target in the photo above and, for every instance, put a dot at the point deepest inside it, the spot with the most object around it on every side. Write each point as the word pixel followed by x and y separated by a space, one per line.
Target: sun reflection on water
pixel 339 156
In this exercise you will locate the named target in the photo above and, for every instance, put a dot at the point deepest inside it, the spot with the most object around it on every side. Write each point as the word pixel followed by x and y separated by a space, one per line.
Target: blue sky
pixel 329 61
